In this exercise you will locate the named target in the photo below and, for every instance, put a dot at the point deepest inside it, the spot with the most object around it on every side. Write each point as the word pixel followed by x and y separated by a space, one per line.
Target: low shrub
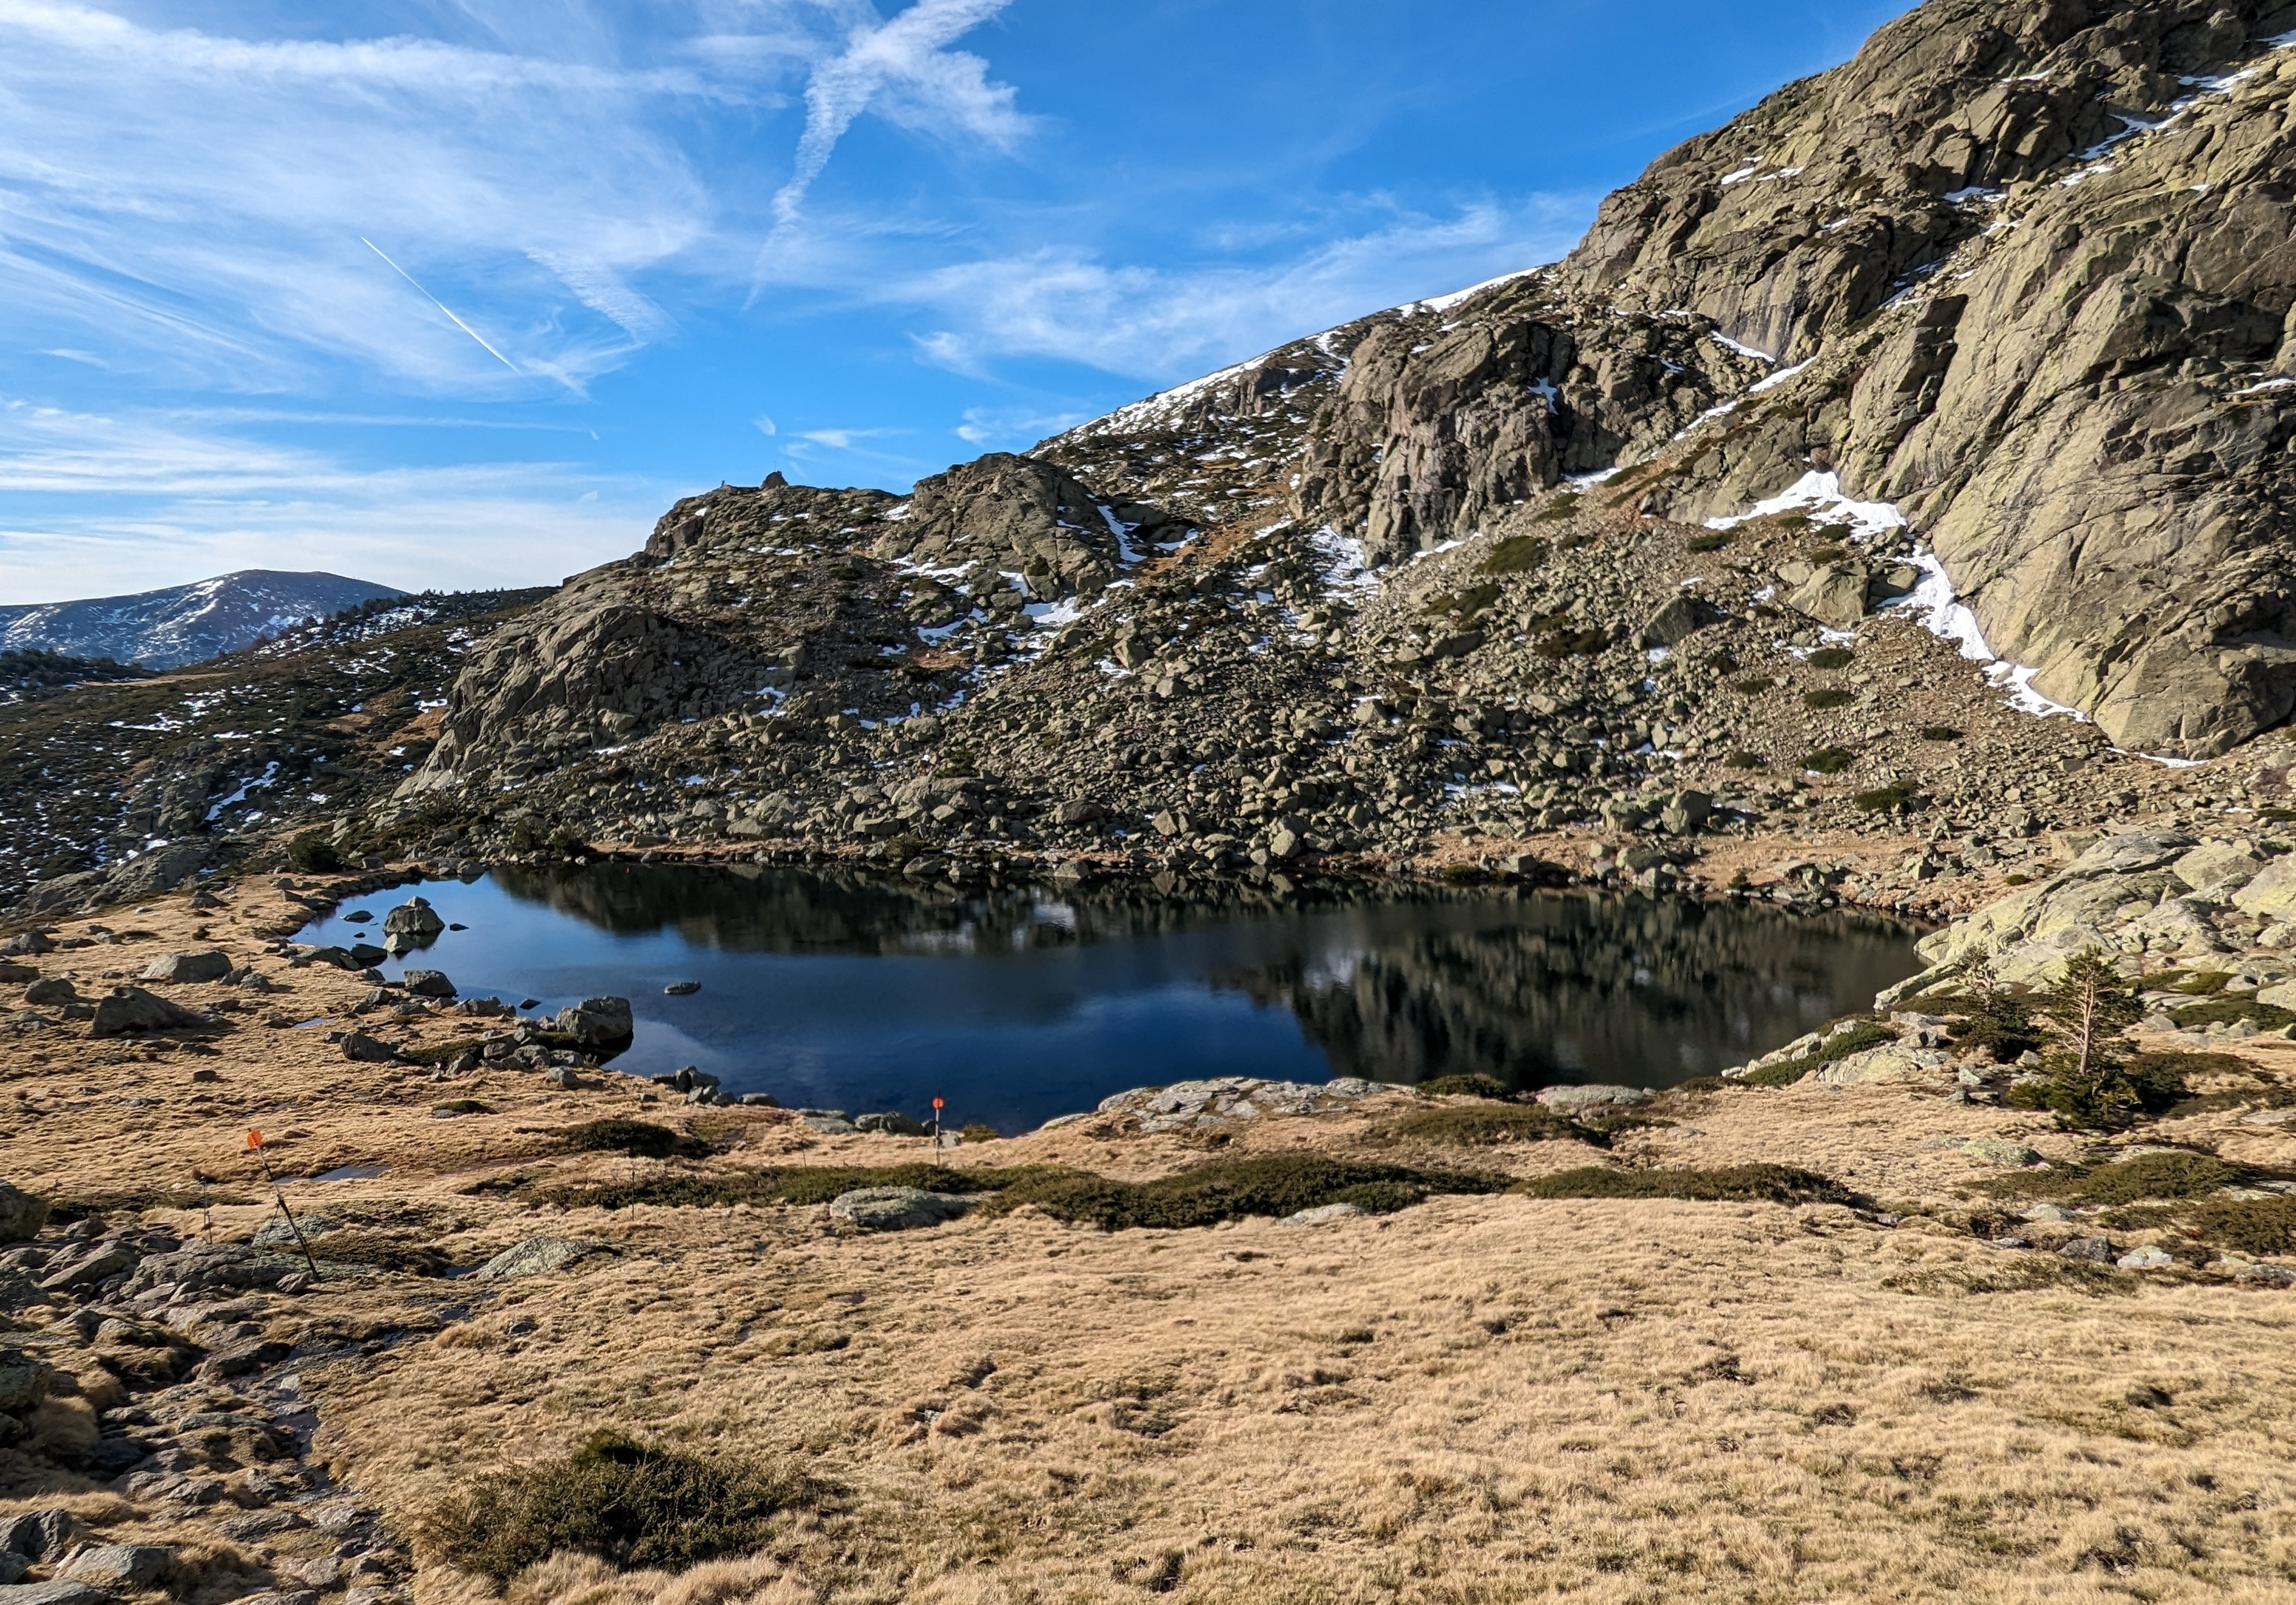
pixel 1939 733
pixel 1713 540
pixel 630 1504
pixel 1831 657
pixel 1561 507
pixel 639 1139
pixel 1828 761
pixel 1483 1125
pixel 1516 554
pixel 1839 1046
pixel 1882 799
pixel 1742 760
pixel 2231 1012
pixel 461 1106
pixel 1277 1184
pixel 313 852
pixel 794 1184
pixel 1736 1184
pixel 1753 687
pixel 979 1131
pixel 2249 1225
pixel 1831 696
pixel 1465 1086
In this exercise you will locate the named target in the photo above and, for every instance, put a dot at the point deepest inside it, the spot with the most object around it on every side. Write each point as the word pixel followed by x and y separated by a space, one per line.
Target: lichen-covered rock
pixel 896 1208
pixel 535 1256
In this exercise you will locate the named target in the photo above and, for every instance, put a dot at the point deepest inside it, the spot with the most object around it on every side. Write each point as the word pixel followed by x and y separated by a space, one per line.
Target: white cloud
pixel 145 503
pixel 1011 427
pixel 192 205
pixel 904 70
pixel 1162 323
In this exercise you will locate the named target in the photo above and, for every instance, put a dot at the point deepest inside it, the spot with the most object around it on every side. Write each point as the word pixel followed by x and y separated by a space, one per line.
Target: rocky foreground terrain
pixel 1858 1320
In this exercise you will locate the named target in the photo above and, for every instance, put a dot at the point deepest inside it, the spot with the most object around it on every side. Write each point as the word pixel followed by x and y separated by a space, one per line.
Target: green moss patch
pixel 630 1504
pixel 639 1139
pixel 1831 696
pixel 1736 1184
pixel 1465 1086
pixel 1277 1184
pixel 1483 1125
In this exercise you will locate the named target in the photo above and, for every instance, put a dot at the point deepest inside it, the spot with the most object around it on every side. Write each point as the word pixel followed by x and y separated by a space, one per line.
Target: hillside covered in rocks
pixel 1897 474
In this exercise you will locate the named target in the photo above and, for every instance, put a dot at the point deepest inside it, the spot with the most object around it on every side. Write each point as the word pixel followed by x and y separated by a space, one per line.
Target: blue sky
pixel 461 292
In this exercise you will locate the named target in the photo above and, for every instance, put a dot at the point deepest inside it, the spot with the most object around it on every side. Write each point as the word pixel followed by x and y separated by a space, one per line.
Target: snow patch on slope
pixel 1934 601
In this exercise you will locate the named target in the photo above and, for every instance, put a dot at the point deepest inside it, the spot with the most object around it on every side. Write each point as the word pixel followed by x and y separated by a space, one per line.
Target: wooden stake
pixel 255 1147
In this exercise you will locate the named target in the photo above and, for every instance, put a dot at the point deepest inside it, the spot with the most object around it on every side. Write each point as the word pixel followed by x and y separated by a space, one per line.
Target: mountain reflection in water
pixel 1021 1002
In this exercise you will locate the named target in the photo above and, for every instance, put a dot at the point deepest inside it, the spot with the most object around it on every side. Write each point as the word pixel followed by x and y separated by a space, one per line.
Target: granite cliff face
pixel 2025 271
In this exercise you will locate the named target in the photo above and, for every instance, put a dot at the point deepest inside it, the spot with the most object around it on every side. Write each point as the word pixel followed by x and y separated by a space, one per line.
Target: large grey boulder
pixel 129 1009
pixel 600 1025
pixel 896 1208
pixel 415 918
pixel 427 984
pixel 207 964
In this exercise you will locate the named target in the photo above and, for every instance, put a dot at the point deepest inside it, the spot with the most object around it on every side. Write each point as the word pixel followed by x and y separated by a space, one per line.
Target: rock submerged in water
pixel 413 918
pixel 896 1208
pixel 599 1023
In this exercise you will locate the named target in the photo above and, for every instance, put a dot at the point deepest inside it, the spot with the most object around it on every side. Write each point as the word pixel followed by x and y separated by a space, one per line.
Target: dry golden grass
pixel 1479 1399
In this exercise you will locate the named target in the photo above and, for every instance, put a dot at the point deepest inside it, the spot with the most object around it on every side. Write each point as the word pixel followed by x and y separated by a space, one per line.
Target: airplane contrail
pixel 442 305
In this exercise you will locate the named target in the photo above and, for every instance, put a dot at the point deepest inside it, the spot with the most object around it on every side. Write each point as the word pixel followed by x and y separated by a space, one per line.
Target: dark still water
pixel 1022 1003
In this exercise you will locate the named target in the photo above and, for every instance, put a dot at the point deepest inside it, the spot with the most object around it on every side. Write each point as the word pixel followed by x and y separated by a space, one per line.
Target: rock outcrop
pixel 2024 272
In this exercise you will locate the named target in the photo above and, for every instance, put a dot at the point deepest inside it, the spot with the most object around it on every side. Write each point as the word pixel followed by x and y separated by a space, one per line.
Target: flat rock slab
pixel 1322 1214
pixel 208 964
pixel 896 1208
pixel 535 1256
pixel 1592 1095
pixel 120 1564
pixel 62 1591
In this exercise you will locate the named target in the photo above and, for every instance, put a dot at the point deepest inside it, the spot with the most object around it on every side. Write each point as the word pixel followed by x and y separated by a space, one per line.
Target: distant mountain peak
pixel 184 623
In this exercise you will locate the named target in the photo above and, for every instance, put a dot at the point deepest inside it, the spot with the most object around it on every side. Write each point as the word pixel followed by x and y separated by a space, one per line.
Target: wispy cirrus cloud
pixel 904 70
pixel 210 210
pixel 1160 324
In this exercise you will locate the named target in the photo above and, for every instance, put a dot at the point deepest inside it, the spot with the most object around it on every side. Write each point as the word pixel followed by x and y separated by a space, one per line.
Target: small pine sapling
pixel 2085 1078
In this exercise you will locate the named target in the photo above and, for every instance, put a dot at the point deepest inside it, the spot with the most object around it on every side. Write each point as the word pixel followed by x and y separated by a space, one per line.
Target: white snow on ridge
pixel 1729 344
pixel 1933 601
pixel 1443 303
pixel 1778 378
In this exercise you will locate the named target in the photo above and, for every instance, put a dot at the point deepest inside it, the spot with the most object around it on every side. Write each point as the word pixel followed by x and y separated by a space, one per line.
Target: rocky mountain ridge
pixel 1711 530
pixel 184 624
